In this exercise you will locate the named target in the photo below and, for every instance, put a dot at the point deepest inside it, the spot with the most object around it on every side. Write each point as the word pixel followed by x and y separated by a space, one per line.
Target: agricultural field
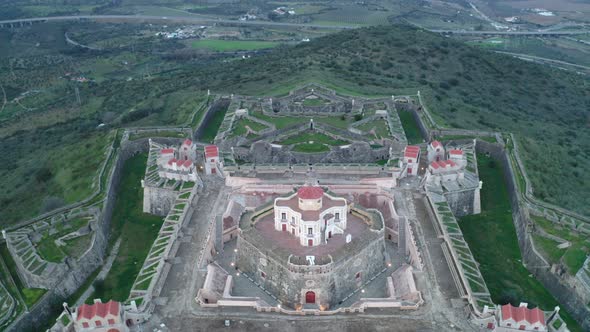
pixel 496 249
pixel 352 15
pixel 564 11
pixel 563 49
pixel 232 45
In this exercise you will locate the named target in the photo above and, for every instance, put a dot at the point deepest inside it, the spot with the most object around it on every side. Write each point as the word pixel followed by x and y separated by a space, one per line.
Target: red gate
pixel 310 297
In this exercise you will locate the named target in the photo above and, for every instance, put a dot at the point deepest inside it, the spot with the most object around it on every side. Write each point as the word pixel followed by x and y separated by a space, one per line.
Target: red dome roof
pixel 309 192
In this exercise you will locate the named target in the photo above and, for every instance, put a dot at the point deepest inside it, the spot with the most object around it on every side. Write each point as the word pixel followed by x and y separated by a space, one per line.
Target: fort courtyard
pixel 311 207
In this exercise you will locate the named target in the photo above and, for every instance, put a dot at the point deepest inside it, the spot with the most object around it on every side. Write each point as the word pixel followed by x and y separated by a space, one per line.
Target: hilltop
pixel 463 86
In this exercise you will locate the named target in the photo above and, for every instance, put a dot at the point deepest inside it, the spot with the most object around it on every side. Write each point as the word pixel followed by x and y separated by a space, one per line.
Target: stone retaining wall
pixel 532 260
pixel 50 304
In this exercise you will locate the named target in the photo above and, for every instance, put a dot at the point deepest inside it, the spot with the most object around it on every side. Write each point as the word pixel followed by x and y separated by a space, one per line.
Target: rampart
pixel 532 260
pixel 50 303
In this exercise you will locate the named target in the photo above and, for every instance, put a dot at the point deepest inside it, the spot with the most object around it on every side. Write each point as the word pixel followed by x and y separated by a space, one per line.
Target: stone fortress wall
pixel 158 201
pixel 330 281
pixel 64 285
pixel 565 290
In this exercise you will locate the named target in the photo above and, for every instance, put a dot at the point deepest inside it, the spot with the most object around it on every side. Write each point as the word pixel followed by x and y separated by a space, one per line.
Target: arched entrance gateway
pixel 310 297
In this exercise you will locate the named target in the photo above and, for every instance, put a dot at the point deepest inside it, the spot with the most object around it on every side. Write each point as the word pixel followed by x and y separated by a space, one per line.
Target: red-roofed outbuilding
pixel 522 318
pixel 100 317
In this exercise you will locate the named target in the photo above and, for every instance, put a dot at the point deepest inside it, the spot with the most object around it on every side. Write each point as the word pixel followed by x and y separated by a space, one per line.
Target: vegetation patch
pixel 76 247
pixel 410 127
pixel 212 127
pixel 218 45
pixel 312 138
pixel 574 256
pixel 32 295
pixel 138 231
pixel 311 147
pixel 496 249
pixel 379 126
pixel 240 127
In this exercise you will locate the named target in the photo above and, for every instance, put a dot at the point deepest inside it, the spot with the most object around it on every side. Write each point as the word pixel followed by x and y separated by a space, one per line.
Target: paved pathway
pixel 181 288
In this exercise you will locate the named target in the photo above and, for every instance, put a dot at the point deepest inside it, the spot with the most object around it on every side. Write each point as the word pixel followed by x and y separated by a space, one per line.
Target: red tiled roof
pixel 211 151
pixel 89 311
pixel 434 165
pixel 411 151
pixel 520 314
pixel 441 164
pixel 171 161
pixel 166 151
pixel 411 154
pixel 187 142
pixel 188 163
pixel 310 192
pixel 435 144
pixel 456 152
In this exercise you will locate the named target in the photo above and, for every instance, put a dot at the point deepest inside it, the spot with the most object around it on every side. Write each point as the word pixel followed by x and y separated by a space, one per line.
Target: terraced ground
pixel 572 257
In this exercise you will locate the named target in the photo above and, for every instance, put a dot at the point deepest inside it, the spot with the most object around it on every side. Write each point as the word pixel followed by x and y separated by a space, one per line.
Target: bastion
pixel 311 252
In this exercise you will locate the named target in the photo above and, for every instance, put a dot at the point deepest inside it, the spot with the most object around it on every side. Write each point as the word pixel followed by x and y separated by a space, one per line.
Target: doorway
pixel 310 297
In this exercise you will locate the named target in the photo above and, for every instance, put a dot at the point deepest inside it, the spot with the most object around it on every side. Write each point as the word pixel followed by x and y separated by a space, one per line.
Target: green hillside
pixel 464 86
pixel 548 109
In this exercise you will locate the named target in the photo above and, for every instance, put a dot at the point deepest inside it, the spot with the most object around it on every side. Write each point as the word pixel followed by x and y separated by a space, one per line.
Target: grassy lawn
pixel 311 147
pixel 548 248
pixel 336 121
pixel 76 247
pixel 218 45
pixel 49 251
pixel 380 127
pixel 239 128
pixel 410 127
pixel 138 231
pixel 314 102
pixel 213 126
pixel 32 295
pixel 458 137
pixel 316 138
pixel 574 256
pixel 279 121
pixel 147 134
pixel 496 248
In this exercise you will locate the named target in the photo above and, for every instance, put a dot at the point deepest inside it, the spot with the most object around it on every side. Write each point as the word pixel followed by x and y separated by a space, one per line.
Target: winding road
pixel 176 19
pixel 210 20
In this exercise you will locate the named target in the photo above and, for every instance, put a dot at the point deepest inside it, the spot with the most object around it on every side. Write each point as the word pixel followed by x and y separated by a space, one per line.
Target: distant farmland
pixel 218 45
